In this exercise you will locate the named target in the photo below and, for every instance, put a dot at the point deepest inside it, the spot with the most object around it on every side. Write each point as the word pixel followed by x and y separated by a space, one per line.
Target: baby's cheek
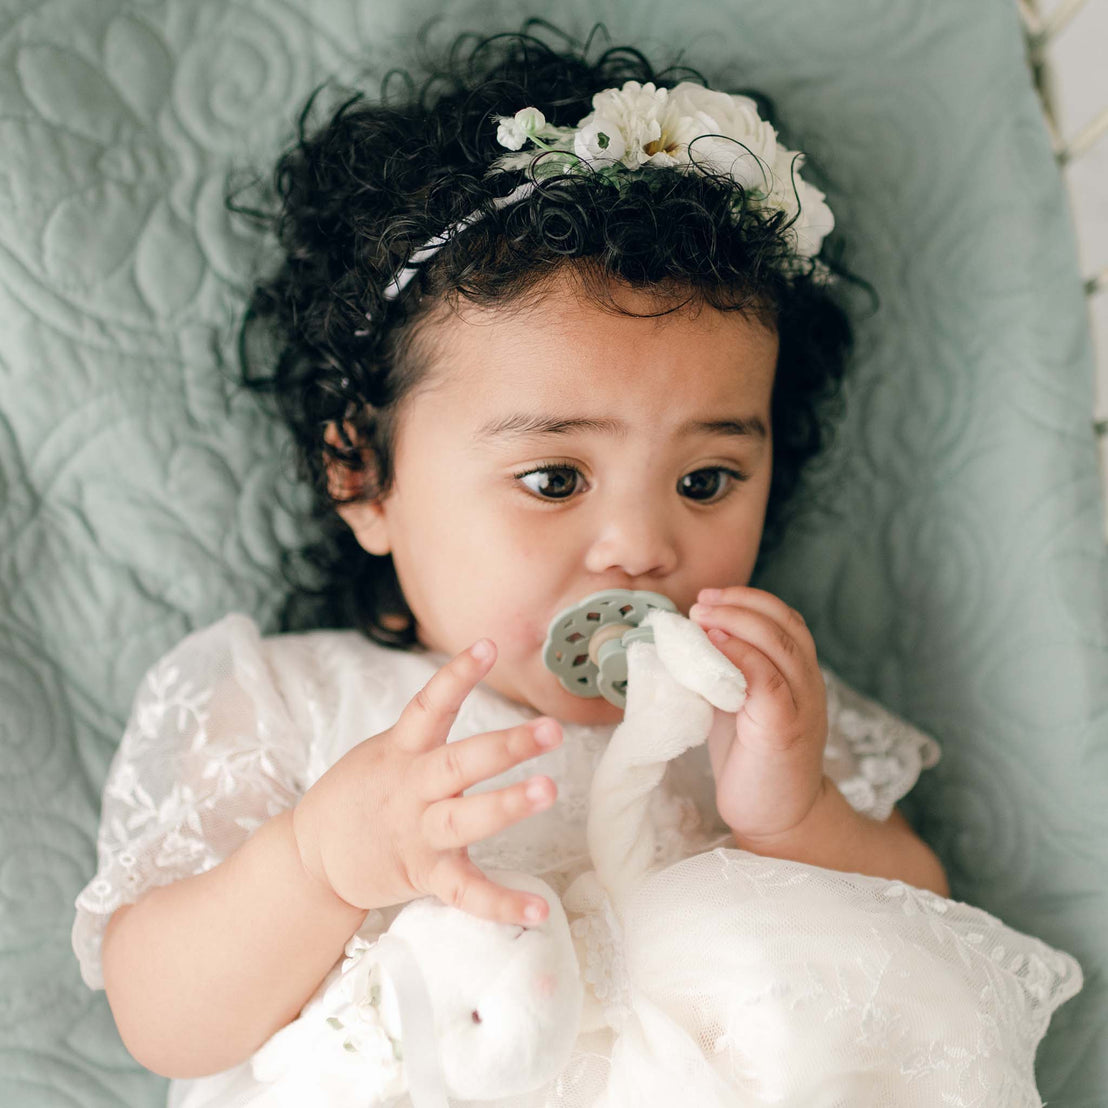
pixel 521 633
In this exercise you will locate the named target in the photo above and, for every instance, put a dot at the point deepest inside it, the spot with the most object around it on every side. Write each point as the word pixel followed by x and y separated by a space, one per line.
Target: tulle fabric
pixel 737 980
pixel 720 952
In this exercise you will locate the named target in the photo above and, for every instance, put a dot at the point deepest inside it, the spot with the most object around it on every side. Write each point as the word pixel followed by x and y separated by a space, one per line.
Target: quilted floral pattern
pixel 951 565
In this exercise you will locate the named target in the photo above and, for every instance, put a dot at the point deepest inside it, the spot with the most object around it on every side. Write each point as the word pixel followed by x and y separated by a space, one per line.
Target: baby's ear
pixel 366 518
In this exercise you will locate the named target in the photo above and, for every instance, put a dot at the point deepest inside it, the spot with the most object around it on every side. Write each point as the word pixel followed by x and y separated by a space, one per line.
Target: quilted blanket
pixel 950 561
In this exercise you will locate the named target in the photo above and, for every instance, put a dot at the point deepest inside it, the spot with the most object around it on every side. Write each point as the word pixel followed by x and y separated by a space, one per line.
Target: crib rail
pixel 1041 29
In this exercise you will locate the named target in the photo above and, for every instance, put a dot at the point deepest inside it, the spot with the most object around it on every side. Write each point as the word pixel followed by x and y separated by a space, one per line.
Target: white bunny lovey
pixel 442 1004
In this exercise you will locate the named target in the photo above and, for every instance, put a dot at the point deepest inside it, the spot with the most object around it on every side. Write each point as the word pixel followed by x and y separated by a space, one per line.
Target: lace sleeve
pixel 208 755
pixel 872 755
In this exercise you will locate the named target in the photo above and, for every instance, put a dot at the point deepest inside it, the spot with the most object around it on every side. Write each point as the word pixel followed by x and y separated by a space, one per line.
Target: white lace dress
pixel 231 728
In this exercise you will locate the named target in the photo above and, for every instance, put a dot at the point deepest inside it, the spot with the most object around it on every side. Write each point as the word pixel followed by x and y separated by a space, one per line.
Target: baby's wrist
pixel 795 841
pixel 306 847
pixel 769 797
pixel 837 836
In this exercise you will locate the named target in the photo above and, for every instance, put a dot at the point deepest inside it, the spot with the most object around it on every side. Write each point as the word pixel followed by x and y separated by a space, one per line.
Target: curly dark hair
pixel 350 202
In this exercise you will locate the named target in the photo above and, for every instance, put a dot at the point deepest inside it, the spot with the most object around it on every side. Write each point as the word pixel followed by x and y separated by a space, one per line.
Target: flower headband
pixel 687 127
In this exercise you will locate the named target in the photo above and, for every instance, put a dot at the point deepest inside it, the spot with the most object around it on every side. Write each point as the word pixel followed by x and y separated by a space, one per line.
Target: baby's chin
pixel 594 711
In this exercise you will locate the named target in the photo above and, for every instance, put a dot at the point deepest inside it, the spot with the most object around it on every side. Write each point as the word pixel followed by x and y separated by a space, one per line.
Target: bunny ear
pixel 417 1022
pixel 693 661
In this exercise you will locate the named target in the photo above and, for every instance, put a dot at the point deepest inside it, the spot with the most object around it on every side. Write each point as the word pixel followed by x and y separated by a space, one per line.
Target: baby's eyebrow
pixel 528 423
pixel 740 427
pixel 524 423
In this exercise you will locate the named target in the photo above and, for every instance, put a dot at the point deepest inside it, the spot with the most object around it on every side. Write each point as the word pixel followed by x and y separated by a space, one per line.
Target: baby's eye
pixel 551 482
pixel 708 484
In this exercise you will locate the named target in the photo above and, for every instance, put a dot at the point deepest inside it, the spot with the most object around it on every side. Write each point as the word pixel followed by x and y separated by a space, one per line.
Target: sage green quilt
pixel 951 562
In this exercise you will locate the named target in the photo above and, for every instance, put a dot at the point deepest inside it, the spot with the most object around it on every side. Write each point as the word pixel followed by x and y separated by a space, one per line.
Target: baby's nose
pixel 637 540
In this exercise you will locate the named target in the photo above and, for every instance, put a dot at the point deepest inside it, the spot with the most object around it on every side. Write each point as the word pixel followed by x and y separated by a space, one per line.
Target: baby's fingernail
pixel 481 650
pixel 532 913
pixel 537 792
pixel 709 594
pixel 698 610
pixel 717 636
pixel 546 734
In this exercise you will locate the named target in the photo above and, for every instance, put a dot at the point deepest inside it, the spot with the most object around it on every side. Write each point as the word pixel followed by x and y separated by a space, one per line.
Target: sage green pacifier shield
pixel 586 644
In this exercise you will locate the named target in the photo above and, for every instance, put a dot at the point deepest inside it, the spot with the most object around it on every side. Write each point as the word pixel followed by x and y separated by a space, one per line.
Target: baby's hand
pixel 767 758
pixel 387 822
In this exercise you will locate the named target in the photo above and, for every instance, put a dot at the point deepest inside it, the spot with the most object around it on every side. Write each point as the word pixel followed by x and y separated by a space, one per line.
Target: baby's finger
pixel 743 596
pixel 457 881
pixel 464 820
pixel 795 659
pixel 769 701
pixel 427 718
pixel 453 767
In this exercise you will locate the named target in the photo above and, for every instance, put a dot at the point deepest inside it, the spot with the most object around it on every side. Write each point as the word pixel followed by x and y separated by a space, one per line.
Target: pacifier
pixel 586 644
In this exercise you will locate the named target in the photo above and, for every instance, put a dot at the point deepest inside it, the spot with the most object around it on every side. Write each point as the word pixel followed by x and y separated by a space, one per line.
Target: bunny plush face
pixel 506 999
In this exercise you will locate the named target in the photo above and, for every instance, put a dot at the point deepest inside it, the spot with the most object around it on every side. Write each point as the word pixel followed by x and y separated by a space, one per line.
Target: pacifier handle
pixel 586 643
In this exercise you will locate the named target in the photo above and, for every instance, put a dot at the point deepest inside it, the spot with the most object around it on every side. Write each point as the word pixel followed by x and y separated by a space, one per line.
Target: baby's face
pixel 562 450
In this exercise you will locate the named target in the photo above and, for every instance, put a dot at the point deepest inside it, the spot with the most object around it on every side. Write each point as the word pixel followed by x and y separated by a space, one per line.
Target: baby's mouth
pixel 586 643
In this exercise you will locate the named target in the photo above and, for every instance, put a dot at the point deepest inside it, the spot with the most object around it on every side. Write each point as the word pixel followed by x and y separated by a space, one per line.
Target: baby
pixel 516 377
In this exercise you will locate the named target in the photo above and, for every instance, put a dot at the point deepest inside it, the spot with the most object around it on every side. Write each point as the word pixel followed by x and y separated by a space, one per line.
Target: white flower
pixel 747 152
pixel 600 141
pixel 515 130
pixel 815 221
pixel 769 170
pixel 634 112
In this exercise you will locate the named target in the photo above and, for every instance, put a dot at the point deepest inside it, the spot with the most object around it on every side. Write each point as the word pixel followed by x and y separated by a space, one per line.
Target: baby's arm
pixel 768 763
pixel 835 836
pixel 199 973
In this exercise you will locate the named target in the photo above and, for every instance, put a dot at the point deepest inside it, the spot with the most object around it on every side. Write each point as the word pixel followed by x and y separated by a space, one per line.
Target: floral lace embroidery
pixel 177 801
pixel 873 756
pixel 599 936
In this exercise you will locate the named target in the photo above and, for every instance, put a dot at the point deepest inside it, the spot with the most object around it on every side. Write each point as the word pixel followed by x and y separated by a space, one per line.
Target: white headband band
pixel 400 281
